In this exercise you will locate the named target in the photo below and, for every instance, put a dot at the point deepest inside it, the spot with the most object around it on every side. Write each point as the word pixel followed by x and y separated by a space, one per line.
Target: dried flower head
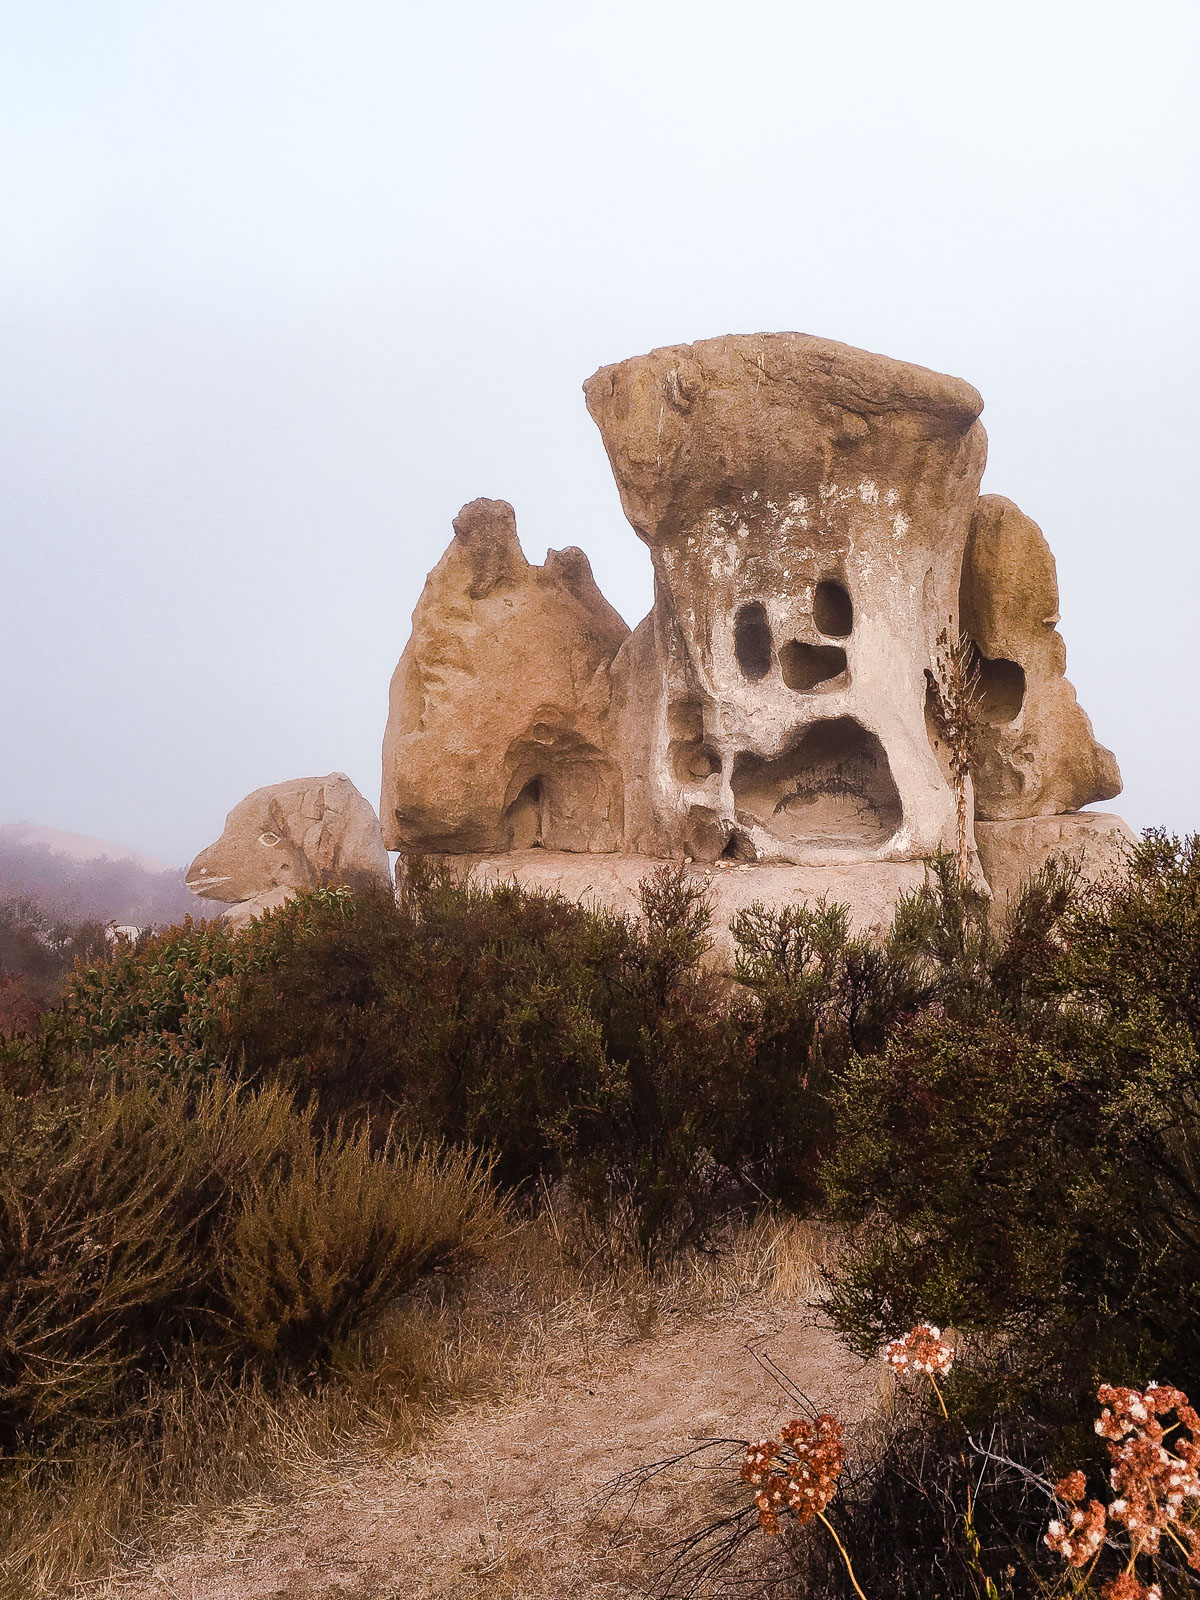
pixel 1151 1482
pixel 1072 1488
pixel 1079 1537
pixel 1130 1587
pixel 922 1349
pixel 797 1473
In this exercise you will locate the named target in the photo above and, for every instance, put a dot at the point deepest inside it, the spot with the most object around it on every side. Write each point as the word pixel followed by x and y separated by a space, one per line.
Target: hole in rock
pixel 752 641
pixel 806 666
pixel 692 762
pixel 738 847
pixel 524 817
pixel 691 759
pixel 833 787
pixel 833 610
pixel 1001 687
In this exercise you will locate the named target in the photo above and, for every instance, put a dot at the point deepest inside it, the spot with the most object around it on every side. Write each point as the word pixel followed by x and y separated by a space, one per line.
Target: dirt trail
pixel 506 1500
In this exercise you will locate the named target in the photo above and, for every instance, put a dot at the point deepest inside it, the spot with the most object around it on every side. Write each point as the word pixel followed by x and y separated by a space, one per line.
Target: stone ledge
pixel 1011 852
pixel 869 888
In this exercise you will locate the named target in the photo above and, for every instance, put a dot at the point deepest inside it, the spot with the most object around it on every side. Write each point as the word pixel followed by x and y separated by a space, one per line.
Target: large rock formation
pixel 495 737
pixel 806 507
pixel 814 520
pixel 287 837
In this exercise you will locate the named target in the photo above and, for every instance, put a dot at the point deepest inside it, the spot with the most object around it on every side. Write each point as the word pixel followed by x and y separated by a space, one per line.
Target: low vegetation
pixel 38 951
pixel 244 1176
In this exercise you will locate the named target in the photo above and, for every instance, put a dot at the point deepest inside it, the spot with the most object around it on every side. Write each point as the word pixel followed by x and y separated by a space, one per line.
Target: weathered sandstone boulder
pixel 495 730
pixel 806 506
pixel 1096 842
pixel 819 542
pixel 288 837
pixel 1035 755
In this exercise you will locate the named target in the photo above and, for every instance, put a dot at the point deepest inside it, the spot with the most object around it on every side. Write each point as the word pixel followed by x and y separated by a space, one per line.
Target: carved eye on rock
pixel 268 838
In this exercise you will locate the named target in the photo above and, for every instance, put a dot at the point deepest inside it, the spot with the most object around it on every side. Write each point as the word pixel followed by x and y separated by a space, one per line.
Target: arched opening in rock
pixel 562 793
pixel 833 788
pixel 1000 691
pixel 524 817
pixel 833 610
pixel 810 666
pixel 752 641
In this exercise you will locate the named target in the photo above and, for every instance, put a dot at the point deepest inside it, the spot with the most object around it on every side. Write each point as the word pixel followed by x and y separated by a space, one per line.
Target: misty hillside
pixel 118 887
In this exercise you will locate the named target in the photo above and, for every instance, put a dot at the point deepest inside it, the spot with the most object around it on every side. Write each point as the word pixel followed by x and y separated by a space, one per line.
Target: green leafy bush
pixel 571 1043
pixel 565 1040
pixel 1030 1169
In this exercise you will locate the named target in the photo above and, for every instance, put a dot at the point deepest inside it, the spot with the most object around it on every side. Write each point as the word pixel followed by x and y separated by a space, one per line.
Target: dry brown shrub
pixel 329 1239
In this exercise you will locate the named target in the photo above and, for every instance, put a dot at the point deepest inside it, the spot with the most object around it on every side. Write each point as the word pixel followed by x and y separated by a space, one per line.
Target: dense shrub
pixel 565 1040
pixel 570 1042
pixel 1031 1169
pixel 326 1240
pixel 150 1224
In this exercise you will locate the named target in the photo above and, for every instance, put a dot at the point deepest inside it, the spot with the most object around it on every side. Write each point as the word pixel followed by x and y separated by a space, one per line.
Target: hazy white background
pixel 284 283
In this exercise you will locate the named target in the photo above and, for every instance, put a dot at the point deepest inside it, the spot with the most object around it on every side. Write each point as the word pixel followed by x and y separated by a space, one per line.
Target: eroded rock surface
pixel 288 837
pixel 1035 752
pixel 806 506
pixel 495 735
pixel 813 515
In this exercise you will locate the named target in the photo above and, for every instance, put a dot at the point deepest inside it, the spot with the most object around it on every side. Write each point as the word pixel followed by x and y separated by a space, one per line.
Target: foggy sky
pixel 282 285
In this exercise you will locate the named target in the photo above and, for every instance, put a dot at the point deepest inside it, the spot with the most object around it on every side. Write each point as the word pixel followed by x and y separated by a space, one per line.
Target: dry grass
pixel 553 1297
pixel 204 1445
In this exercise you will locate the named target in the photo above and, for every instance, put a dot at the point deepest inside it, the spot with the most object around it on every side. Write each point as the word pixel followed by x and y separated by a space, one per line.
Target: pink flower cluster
pixel 1151 1484
pixel 921 1350
pixel 796 1473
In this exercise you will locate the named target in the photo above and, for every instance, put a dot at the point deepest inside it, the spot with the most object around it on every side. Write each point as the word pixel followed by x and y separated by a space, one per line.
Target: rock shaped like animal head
pixel 293 836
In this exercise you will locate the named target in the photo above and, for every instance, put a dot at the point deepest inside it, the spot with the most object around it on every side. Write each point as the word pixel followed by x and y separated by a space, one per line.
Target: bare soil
pixel 511 1500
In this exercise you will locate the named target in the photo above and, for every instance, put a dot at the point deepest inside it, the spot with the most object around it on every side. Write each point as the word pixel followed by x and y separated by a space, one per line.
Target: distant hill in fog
pixel 74 876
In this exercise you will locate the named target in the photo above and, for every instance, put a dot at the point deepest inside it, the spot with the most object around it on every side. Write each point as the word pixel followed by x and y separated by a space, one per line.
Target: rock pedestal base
pixel 1009 854
pixel 870 889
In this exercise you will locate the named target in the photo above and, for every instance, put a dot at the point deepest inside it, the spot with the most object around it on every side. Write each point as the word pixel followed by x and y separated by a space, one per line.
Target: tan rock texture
pixel 814 520
pixel 806 506
pixel 1010 853
pixel 1036 755
pixel 495 737
pixel 288 837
